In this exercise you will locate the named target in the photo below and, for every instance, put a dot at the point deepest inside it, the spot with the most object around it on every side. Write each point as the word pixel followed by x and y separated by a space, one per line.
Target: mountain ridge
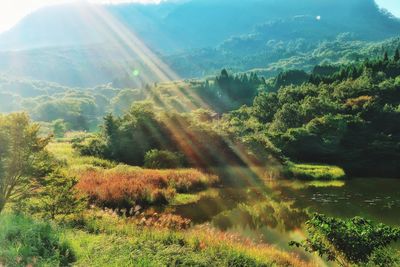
pixel 86 45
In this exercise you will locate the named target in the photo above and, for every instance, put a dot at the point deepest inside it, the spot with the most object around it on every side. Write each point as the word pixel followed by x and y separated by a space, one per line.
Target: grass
pixel 104 239
pixel 64 152
pixel 113 241
pixel 125 186
pixel 25 242
pixel 101 238
pixel 314 172
pixel 183 199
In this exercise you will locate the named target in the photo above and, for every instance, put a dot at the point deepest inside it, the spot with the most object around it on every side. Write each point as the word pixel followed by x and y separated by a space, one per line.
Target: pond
pixel 275 213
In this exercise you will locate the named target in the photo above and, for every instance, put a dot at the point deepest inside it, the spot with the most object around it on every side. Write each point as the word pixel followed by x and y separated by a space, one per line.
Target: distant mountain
pixel 83 44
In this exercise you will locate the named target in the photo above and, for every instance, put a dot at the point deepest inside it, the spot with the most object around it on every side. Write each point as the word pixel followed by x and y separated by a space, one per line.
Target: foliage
pixel 23 159
pixel 347 241
pixel 344 115
pixel 57 197
pixel 314 172
pixel 202 142
pixel 59 128
pixel 161 159
pixel 25 242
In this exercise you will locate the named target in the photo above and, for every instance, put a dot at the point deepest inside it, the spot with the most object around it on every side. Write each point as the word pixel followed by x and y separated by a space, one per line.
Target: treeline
pixel 60 107
pixel 149 136
pixel 345 115
pixel 327 73
pixel 228 92
pixel 348 116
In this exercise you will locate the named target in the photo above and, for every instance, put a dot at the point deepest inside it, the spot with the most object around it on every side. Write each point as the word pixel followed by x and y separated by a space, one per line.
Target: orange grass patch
pixel 123 187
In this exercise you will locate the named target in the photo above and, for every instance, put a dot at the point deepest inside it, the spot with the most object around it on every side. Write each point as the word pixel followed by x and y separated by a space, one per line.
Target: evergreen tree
pixel 396 55
pixel 385 56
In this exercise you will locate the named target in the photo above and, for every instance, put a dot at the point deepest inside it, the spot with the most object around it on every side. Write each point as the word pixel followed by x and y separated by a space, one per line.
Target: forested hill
pixel 204 23
pixel 86 45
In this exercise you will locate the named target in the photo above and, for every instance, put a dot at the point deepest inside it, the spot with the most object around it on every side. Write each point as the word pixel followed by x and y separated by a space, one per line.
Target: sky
pixel 11 11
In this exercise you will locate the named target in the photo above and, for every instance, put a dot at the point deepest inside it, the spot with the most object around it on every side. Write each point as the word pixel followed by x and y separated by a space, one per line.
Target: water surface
pixel 276 213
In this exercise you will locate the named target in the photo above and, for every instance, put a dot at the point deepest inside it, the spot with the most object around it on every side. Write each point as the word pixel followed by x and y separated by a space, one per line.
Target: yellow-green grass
pixel 114 241
pixel 314 172
pixel 64 152
pixel 28 242
pixel 183 199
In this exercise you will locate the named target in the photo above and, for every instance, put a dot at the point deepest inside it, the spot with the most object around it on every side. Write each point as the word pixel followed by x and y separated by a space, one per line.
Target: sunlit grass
pixel 64 152
pixel 183 199
pixel 26 242
pixel 117 242
pixel 125 186
pixel 314 172
pixel 327 184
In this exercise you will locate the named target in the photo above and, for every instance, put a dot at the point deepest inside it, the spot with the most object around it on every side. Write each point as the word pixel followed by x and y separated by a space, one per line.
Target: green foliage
pixel 123 101
pixel 314 172
pixel 59 128
pixel 23 159
pixel 162 159
pixel 345 116
pixel 25 242
pixel 57 197
pixel 350 241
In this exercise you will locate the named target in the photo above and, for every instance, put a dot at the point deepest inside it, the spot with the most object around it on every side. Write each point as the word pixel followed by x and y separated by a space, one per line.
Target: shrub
pixel 351 241
pixel 314 172
pixel 25 242
pixel 57 197
pixel 162 159
pixel 90 146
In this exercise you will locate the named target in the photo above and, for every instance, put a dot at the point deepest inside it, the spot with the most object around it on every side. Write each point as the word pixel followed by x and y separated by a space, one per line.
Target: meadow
pixel 106 234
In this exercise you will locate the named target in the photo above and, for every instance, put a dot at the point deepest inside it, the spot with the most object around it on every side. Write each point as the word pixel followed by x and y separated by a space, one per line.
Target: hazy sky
pixel 11 11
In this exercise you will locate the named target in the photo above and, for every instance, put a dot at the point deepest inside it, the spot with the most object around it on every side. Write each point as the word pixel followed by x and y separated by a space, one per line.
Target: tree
pixel 23 159
pixel 58 196
pixel 385 56
pixel 397 55
pixel 347 241
pixel 162 159
pixel 59 128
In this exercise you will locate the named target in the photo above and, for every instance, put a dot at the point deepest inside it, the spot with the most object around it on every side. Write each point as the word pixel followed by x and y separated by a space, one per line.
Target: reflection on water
pixel 276 214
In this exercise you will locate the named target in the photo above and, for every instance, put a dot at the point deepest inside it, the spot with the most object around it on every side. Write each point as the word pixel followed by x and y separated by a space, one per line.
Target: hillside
pixel 87 45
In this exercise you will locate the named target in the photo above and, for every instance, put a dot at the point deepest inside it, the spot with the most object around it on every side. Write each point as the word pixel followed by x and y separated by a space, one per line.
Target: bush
pixel 162 159
pixel 314 172
pixel 348 242
pixel 25 242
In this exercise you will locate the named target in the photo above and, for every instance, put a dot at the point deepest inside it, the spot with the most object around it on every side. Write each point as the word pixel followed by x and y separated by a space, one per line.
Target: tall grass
pixel 125 186
pixel 25 242
pixel 119 243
